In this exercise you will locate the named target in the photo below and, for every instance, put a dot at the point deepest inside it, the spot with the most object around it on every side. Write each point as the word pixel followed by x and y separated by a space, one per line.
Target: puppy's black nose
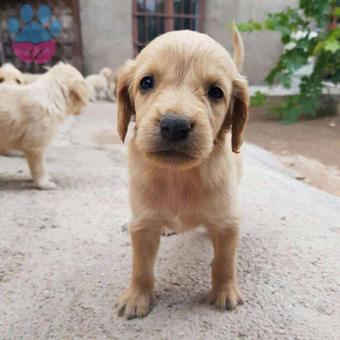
pixel 174 128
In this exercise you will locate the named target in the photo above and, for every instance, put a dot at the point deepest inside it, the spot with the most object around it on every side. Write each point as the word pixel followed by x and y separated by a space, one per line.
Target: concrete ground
pixel 310 147
pixel 65 257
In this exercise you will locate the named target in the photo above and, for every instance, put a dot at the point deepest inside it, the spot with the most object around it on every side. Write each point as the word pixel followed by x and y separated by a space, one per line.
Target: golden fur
pixel 191 183
pixel 30 115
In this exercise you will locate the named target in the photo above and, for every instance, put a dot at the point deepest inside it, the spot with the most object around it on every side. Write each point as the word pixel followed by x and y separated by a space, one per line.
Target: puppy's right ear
pixel 125 104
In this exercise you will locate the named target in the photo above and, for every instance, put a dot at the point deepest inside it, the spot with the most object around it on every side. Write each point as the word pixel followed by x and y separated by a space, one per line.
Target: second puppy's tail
pixel 238 48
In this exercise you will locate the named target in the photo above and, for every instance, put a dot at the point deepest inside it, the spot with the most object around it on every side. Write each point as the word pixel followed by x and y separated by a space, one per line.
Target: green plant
pixel 310 36
pixel 257 99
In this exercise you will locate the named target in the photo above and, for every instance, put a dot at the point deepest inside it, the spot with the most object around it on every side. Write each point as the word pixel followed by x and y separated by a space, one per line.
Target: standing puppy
pixel 191 106
pixel 30 115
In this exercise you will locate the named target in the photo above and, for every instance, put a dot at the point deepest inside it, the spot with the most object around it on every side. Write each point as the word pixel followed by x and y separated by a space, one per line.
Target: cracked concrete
pixel 65 257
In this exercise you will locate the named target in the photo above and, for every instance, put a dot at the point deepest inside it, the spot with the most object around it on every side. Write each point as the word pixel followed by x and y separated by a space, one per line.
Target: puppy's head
pixel 72 84
pixel 9 74
pixel 186 93
pixel 107 73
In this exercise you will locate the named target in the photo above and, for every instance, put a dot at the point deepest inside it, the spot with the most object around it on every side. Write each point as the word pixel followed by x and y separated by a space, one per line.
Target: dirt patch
pixel 312 148
pixel 10 264
pixel 324 177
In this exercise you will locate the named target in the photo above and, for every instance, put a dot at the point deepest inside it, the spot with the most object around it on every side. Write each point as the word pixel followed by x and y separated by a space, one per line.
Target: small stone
pixel 124 227
pixel 300 178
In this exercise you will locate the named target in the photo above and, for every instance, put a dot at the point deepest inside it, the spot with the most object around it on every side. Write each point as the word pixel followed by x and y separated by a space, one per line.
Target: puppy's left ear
pixel 238 113
pixel 125 105
pixel 79 92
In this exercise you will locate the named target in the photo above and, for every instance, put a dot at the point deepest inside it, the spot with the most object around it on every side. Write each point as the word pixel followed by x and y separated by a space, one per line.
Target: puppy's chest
pixel 175 194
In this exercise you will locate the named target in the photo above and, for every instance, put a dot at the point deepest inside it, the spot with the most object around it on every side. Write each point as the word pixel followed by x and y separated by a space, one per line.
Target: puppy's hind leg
pixel 35 159
pixel 136 300
pixel 224 293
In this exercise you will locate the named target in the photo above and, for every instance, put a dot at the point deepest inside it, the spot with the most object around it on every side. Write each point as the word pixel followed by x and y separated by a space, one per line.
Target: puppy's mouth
pixel 182 154
pixel 171 156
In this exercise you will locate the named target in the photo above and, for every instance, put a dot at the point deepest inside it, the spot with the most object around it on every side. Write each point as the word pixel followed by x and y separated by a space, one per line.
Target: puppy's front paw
pixel 167 232
pixel 45 184
pixel 132 304
pixel 227 298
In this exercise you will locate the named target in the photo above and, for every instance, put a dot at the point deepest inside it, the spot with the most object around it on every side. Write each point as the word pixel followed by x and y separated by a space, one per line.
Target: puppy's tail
pixel 238 47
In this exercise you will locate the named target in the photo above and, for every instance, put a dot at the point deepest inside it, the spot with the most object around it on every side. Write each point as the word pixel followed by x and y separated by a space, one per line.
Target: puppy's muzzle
pixel 174 128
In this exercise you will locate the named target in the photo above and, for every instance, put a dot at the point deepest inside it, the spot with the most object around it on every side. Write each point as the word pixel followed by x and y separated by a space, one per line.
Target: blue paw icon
pixel 35 41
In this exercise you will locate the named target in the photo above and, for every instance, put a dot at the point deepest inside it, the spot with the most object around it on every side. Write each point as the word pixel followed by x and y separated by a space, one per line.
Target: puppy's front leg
pixel 224 292
pixel 4 152
pixel 35 159
pixel 135 301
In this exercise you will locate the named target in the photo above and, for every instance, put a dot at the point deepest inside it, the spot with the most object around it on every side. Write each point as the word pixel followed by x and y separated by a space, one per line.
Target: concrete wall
pixel 106 32
pixel 262 48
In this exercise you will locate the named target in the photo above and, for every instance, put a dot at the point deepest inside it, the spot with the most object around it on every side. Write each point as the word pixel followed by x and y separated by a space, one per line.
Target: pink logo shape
pixel 40 53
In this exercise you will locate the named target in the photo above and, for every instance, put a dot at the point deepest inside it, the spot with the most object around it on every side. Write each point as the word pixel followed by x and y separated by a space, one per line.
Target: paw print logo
pixel 35 40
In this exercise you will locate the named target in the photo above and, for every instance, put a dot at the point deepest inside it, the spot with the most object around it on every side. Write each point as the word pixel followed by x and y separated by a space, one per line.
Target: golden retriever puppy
pixel 191 106
pixel 9 74
pixel 101 86
pixel 30 115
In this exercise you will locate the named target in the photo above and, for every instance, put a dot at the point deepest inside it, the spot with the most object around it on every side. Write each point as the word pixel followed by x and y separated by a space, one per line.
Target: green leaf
pixel 332 46
pixel 258 99
pixel 249 26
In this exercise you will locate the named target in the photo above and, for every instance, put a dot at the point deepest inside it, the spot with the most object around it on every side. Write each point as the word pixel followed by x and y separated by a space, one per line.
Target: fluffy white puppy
pixel 30 115
pixel 101 86
pixel 9 74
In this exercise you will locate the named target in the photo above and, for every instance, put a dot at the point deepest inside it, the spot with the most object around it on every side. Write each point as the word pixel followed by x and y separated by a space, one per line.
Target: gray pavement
pixel 64 256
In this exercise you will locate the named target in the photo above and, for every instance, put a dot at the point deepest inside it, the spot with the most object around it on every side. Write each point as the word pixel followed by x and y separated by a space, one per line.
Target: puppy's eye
pixel 215 93
pixel 1 80
pixel 147 83
pixel 18 81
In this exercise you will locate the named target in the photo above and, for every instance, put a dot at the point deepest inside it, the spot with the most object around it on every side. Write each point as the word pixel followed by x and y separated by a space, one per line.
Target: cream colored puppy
pixel 101 86
pixel 191 106
pixel 9 74
pixel 30 115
